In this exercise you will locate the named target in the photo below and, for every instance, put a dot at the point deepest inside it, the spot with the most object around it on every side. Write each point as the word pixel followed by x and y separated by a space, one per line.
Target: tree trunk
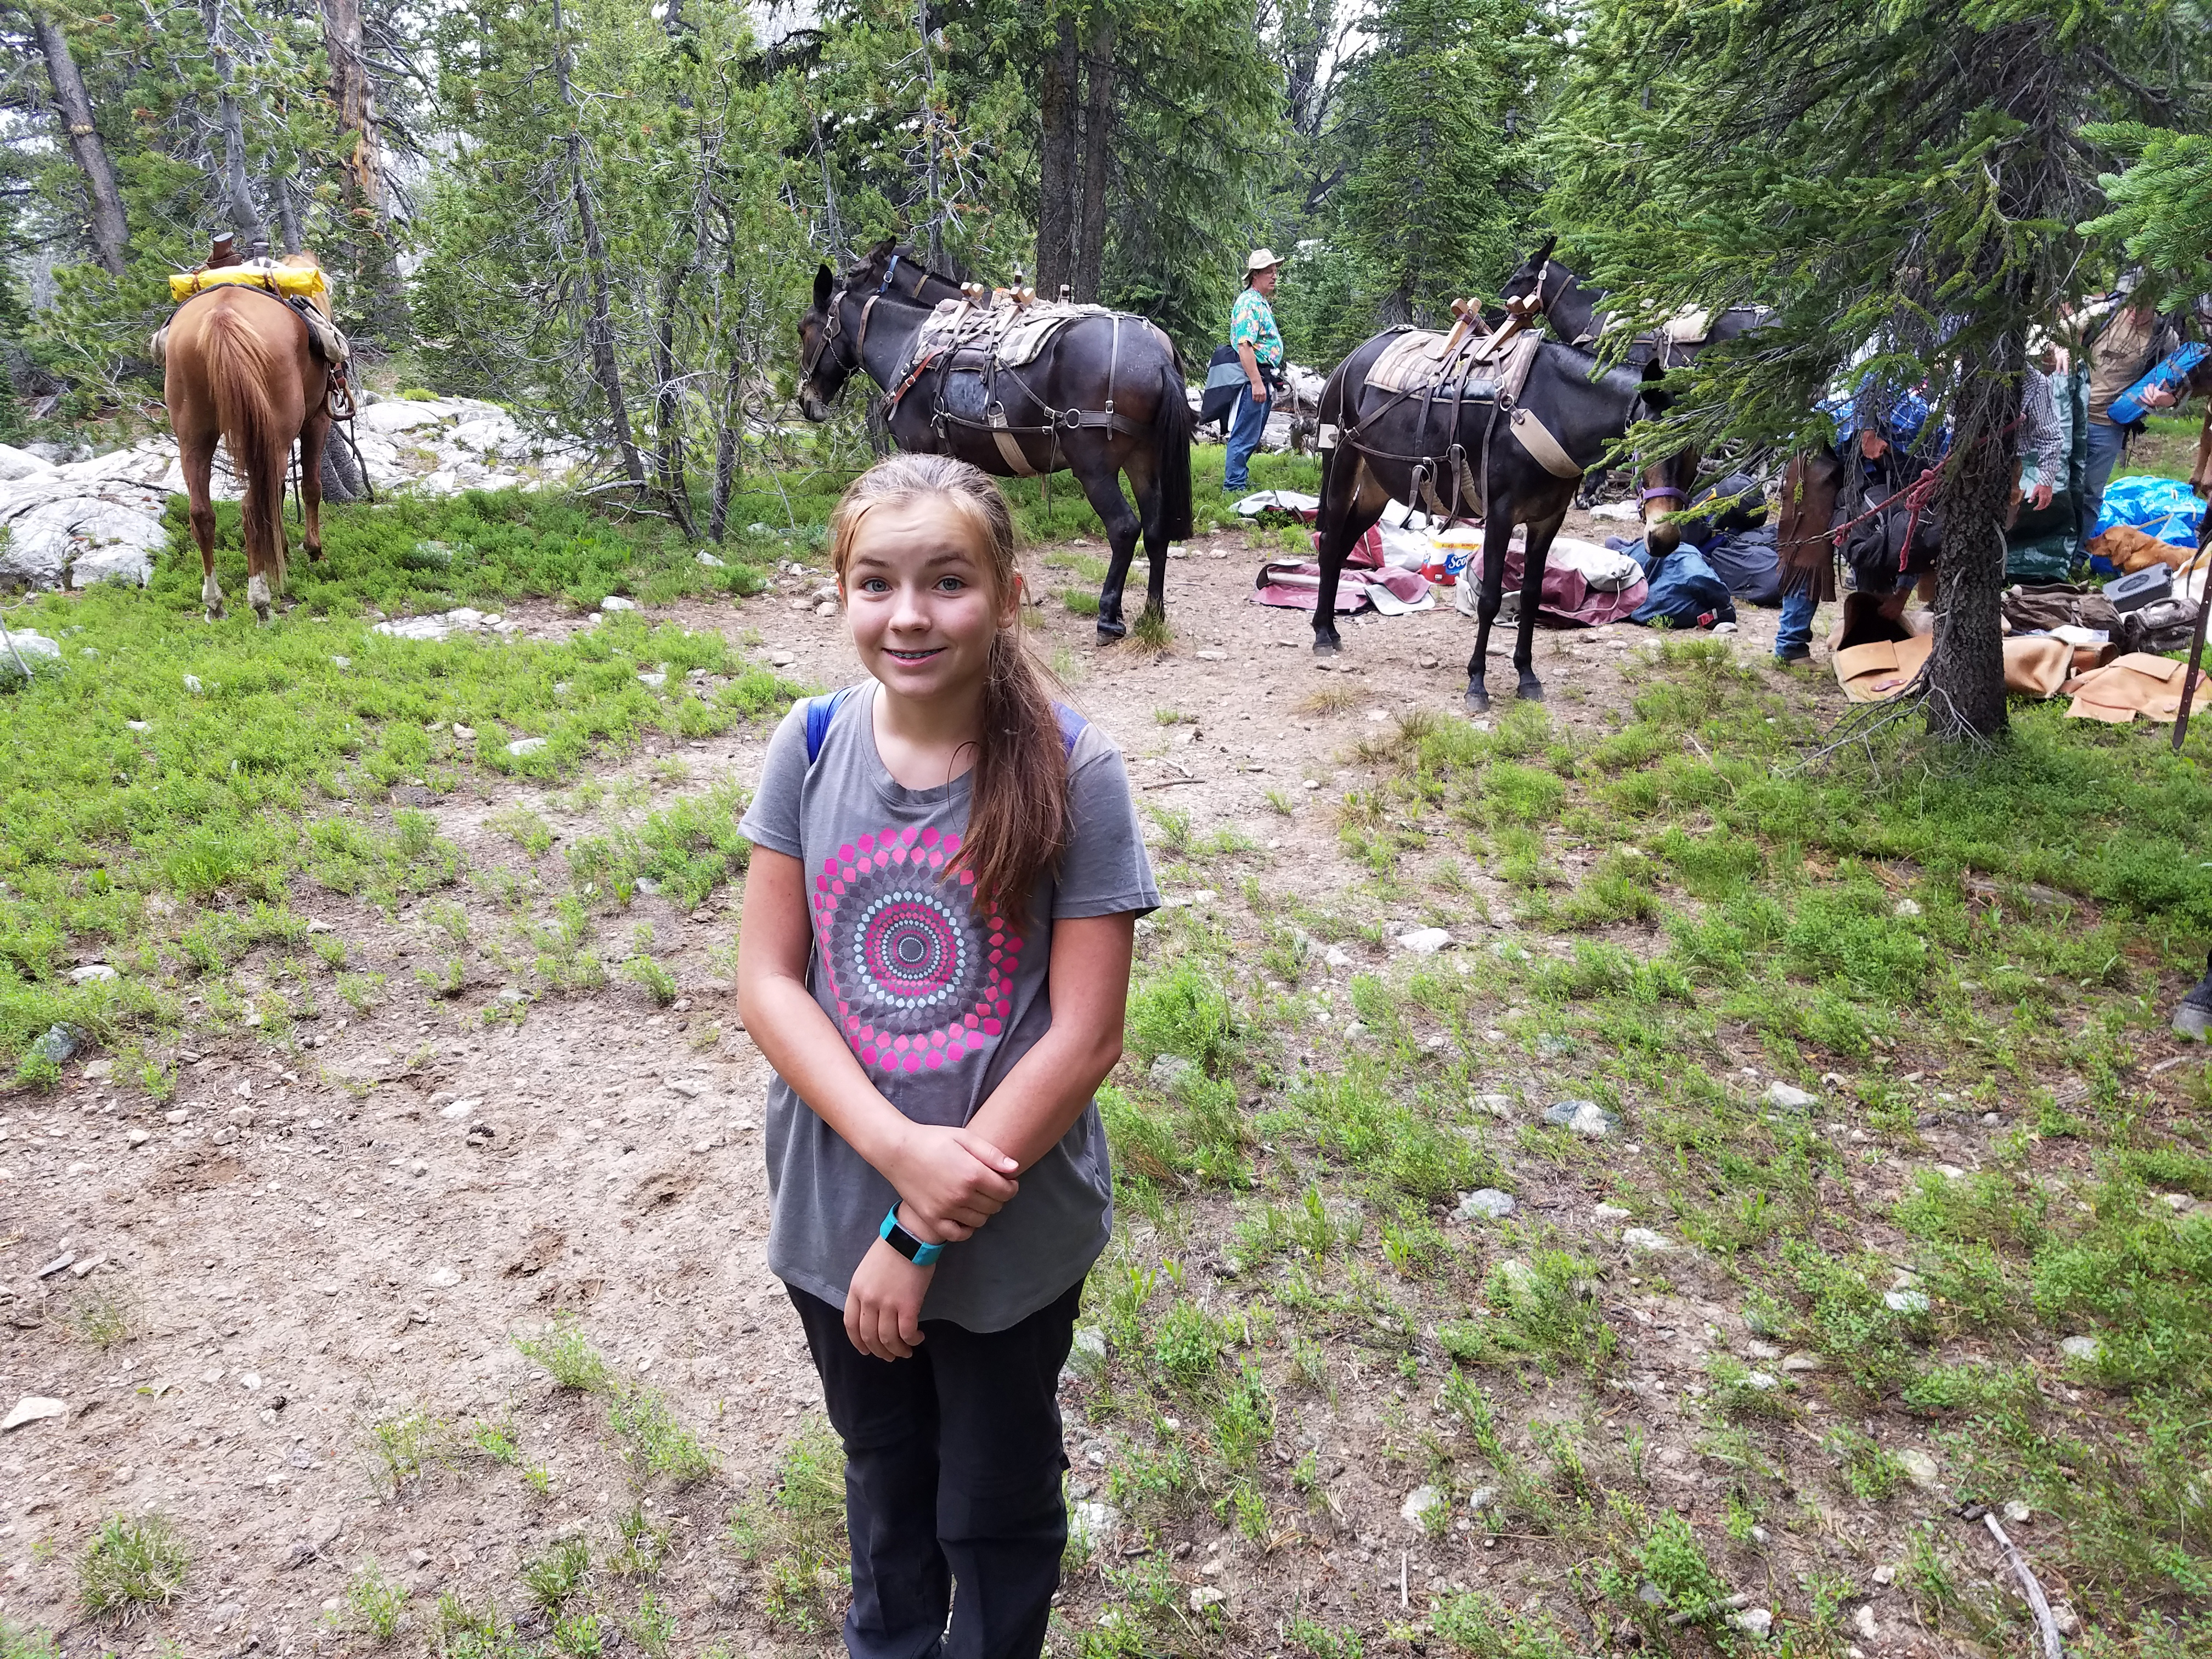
pixel 245 218
pixel 668 406
pixel 599 325
pixel 729 448
pixel 361 179
pixel 1098 152
pixel 1965 672
pixel 288 214
pixel 1056 169
pixel 110 231
pixel 929 136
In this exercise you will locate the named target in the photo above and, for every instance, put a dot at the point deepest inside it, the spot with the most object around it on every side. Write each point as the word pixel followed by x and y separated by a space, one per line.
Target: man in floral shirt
pixel 1259 345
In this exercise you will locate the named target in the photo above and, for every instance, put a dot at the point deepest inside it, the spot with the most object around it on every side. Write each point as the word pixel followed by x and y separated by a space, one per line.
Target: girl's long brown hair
pixel 1018 819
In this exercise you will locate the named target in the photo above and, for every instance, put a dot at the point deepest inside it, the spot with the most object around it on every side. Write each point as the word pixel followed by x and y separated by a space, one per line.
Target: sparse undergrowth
pixel 1778 992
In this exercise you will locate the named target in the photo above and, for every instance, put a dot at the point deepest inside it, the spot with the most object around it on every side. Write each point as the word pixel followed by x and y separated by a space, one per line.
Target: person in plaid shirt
pixel 1259 345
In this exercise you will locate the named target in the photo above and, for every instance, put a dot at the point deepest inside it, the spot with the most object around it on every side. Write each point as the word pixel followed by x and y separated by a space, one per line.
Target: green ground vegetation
pixel 1935 948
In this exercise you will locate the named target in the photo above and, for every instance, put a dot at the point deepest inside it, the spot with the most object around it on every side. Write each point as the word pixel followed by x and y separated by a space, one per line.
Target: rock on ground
pixel 95 519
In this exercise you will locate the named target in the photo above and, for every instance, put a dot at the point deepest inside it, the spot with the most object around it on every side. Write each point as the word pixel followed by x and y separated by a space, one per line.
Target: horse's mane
pixel 869 273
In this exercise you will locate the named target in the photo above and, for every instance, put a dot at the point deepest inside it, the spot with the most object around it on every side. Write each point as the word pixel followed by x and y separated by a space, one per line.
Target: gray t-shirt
pixel 937 1000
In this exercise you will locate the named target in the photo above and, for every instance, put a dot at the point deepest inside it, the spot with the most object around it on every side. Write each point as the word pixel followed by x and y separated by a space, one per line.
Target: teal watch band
pixel 921 1255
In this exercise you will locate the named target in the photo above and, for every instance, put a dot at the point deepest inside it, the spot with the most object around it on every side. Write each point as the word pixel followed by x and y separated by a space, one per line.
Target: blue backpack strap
pixel 1071 725
pixel 820 711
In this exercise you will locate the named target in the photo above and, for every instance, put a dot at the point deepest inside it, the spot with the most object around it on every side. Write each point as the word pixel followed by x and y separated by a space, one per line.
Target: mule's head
pixel 825 360
pixel 1528 279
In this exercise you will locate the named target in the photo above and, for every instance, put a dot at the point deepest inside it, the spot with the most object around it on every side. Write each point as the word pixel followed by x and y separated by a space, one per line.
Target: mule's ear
pixel 824 283
pixel 1545 251
pixel 1657 399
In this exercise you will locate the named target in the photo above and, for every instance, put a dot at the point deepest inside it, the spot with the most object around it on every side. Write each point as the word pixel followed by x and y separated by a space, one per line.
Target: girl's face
pixel 918 595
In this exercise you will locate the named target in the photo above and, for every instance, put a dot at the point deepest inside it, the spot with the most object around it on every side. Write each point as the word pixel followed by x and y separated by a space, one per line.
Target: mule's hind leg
pixel 1496 532
pixel 1541 537
pixel 1351 500
pixel 1144 485
pixel 1102 487
pixel 196 456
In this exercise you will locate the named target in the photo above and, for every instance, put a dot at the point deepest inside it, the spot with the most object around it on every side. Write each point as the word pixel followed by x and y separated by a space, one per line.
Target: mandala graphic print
pixel 923 980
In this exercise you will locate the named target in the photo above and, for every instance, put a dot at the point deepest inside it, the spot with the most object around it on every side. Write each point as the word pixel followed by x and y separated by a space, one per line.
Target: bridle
pixel 1543 304
pixel 834 329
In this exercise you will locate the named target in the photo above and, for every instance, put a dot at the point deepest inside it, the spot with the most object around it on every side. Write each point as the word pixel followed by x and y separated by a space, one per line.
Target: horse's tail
pixel 241 370
pixel 1171 430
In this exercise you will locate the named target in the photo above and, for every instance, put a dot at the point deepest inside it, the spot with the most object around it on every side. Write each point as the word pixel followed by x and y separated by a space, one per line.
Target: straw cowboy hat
pixel 1262 259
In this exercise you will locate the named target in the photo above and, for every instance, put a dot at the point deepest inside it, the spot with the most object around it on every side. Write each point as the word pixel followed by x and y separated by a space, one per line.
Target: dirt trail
pixel 313 1242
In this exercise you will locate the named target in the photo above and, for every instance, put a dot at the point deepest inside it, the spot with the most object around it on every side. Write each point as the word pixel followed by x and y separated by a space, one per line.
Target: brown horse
pixel 240 368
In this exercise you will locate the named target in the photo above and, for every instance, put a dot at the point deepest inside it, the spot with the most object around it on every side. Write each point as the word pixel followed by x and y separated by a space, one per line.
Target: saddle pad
pixel 1687 328
pixel 1015 335
pixel 1415 361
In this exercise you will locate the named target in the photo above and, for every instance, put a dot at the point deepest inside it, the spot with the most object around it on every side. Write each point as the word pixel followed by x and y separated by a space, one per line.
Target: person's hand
pixel 2042 496
pixel 2158 397
pixel 953 1179
pixel 883 1305
pixel 1259 391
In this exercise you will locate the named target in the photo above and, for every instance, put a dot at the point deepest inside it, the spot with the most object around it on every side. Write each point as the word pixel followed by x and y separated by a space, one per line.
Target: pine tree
pixel 1429 148
pixel 1903 176
pixel 2162 205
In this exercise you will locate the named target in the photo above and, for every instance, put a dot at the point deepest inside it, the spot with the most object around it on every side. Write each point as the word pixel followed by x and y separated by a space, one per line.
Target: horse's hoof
pixel 215 613
pixel 261 612
pixel 1477 700
pixel 1327 645
pixel 1111 631
pixel 314 556
pixel 1532 690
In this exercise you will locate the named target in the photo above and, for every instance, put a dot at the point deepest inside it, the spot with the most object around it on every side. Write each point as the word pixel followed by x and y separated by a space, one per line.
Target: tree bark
pixel 245 218
pixel 1965 671
pixel 110 230
pixel 1098 152
pixel 668 405
pixel 361 179
pixel 288 214
pixel 1056 163
pixel 599 324
pixel 729 448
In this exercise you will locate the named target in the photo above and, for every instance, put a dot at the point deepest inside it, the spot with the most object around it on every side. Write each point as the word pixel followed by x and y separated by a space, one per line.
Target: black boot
pixel 2193 1018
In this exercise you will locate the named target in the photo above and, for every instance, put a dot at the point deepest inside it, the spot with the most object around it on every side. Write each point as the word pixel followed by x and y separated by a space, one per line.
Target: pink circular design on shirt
pixel 904 950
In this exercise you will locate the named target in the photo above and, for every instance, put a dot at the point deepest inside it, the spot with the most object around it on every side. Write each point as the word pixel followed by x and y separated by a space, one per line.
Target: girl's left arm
pixel 1034 1105
pixel 1088 983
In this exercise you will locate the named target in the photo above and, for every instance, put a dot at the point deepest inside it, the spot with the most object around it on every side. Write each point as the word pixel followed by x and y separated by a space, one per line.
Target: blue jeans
pixel 1245 426
pixel 1796 631
pixel 2106 443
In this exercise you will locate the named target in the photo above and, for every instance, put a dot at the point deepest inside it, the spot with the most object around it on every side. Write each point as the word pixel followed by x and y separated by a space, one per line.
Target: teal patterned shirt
pixel 1252 322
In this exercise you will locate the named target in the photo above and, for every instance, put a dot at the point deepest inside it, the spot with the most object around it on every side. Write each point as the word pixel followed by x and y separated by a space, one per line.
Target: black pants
pixel 952 1469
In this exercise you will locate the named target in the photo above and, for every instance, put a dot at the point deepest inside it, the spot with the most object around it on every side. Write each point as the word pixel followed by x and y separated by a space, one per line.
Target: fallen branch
pixel 2045 1624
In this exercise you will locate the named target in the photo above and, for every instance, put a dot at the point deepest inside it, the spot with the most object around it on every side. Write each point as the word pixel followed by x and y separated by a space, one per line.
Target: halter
pixel 832 329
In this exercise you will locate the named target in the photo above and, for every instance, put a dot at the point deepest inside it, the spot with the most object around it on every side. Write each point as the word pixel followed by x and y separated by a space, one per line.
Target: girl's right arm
pixel 952 1180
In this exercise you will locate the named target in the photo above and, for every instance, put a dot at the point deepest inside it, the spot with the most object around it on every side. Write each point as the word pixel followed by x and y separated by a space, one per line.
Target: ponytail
pixel 1020 821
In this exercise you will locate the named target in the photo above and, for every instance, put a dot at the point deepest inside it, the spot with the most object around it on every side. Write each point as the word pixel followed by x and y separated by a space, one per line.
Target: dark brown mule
pixel 240 368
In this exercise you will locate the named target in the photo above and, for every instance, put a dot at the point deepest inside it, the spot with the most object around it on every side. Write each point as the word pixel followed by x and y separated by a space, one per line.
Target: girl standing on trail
pixel 938 922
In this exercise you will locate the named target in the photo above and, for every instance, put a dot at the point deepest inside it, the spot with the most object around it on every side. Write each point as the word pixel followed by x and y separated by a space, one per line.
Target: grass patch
pixel 180 791
pixel 792 1535
pixel 134 1567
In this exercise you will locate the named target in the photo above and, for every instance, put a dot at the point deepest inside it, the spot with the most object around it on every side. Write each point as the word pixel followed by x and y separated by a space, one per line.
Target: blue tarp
pixel 2164 507
pixel 1686 591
